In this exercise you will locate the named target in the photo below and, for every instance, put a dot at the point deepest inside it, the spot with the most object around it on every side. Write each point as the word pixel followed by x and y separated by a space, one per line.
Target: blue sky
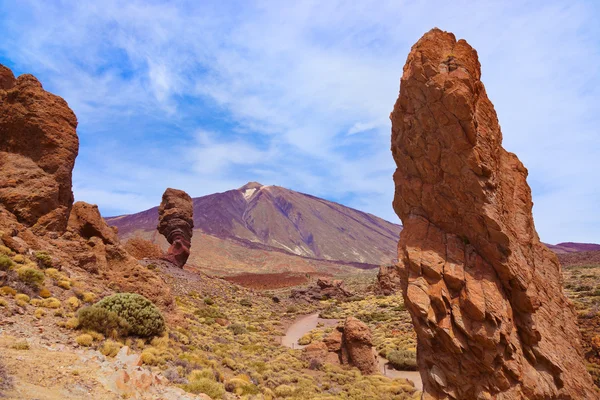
pixel 205 96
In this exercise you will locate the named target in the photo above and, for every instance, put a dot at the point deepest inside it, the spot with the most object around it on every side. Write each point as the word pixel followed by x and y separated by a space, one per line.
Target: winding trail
pixel 307 323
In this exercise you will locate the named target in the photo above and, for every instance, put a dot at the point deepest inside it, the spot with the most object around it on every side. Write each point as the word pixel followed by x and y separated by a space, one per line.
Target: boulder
pixel 357 340
pixel 176 224
pixel 484 294
pixel 85 220
pixel 38 147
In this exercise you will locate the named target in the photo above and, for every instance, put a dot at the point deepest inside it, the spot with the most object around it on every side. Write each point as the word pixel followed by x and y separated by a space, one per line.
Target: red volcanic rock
pixel 357 341
pixel 85 219
pixel 388 279
pixel 38 147
pixel 176 224
pixel 485 295
pixel 325 289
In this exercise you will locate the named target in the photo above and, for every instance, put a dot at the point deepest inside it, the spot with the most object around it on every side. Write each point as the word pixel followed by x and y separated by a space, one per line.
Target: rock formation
pixel 388 279
pixel 350 344
pixel 485 295
pixel 176 224
pixel 38 147
pixel 325 289
pixel 85 219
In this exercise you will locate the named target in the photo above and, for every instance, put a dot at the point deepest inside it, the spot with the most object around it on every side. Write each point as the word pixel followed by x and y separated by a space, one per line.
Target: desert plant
pixel 143 316
pixel 43 259
pixel 237 329
pixel 84 340
pixel 31 276
pixel 246 303
pixel 207 386
pixel 404 360
pixel 5 263
pixel 102 320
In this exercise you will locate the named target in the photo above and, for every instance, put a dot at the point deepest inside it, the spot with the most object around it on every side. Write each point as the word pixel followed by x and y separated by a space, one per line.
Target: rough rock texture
pixel 85 219
pixel 350 344
pixel 38 147
pixel 357 341
pixel 176 223
pixel 484 294
pixel 388 279
pixel 325 289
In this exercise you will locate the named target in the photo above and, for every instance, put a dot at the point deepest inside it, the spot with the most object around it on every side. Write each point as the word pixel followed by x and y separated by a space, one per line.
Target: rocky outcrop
pixel 85 219
pixel 357 343
pixel 388 279
pixel 485 295
pixel 324 289
pixel 350 344
pixel 176 224
pixel 38 147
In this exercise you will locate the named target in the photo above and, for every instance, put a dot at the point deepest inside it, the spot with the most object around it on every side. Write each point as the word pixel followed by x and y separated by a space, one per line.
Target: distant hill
pixel 571 247
pixel 266 228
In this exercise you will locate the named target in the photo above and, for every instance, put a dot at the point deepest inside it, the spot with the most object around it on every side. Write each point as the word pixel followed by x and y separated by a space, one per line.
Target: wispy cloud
pixel 206 96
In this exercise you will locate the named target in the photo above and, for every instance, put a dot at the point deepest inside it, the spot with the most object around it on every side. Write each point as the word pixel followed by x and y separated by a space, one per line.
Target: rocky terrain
pixel 485 295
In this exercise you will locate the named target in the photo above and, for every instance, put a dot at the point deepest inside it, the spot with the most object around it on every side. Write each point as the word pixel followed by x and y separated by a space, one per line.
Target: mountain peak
pixel 251 185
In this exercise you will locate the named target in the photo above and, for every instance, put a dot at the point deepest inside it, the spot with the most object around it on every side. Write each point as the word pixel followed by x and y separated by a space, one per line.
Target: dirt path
pixel 306 323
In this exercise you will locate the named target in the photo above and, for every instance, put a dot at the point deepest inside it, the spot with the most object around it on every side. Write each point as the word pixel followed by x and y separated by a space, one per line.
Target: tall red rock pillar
pixel 175 222
pixel 485 295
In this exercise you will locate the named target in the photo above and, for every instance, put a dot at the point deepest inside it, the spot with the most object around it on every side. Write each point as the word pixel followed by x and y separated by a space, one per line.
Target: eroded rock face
pixel 388 279
pixel 176 223
pixel 484 294
pixel 38 147
pixel 350 344
pixel 85 219
pixel 357 341
pixel 324 289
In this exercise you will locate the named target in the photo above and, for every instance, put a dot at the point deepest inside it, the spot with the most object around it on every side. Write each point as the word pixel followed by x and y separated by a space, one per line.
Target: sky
pixel 205 96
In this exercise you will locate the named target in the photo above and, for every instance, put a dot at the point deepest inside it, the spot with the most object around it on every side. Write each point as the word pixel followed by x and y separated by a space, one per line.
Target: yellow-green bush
pixel 207 386
pixel 84 340
pixel 102 320
pixel 43 259
pixel 143 316
pixel 31 276
pixel 5 263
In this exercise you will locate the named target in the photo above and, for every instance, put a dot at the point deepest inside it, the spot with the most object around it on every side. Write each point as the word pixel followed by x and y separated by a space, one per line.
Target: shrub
pixel 3 303
pixel 84 340
pixel 22 297
pixel 404 360
pixel 7 290
pixel 284 391
pixel 101 320
pixel 89 297
pixel 246 303
pixel 209 312
pixel 237 329
pixel 51 302
pixel 143 316
pixel 208 301
pixel 110 348
pixel 64 284
pixel 5 263
pixel 43 259
pixel 73 302
pixel 30 276
pixel 207 386
pixel 19 258
pixel 39 313
pixel 45 293
pixel 21 345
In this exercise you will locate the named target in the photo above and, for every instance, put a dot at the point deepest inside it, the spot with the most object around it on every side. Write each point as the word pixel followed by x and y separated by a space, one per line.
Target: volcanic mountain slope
pixel 570 247
pixel 265 219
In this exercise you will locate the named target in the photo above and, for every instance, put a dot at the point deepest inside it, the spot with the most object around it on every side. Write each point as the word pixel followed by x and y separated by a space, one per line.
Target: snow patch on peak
pixel 248 193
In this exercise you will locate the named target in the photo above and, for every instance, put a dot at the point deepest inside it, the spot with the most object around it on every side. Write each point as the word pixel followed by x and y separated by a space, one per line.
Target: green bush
pixel 208 301
pixel 44 260
pixel 404 360
pixel 101 320
pixel 143 316
pixel 246 303
pixel 5 263
pixel 207 386
pixel 31 276
pixel 237 329
pixel 209 312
